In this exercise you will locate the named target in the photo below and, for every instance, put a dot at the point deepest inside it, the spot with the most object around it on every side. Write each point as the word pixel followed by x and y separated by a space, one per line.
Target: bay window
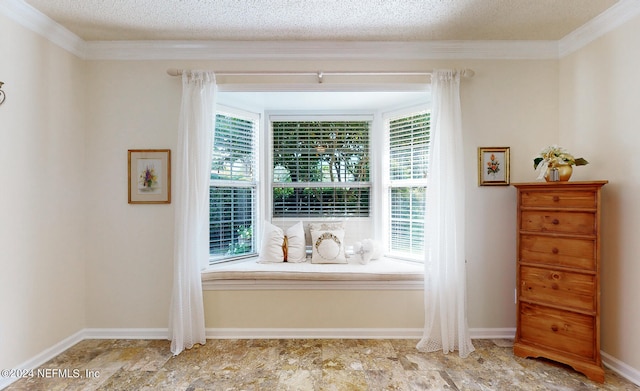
pixel 369 170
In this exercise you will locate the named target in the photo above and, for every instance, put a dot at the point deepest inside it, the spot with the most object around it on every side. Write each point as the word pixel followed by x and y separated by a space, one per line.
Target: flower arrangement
pixel 148 177
pixel 493 165
pixel 555 155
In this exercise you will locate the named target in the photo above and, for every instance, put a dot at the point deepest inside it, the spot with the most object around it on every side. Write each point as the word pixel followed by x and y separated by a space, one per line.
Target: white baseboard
pixel 43 357
pixel 324 333
pixel 496 333
pixel 160 333
pixel 622 369
pixel 312 333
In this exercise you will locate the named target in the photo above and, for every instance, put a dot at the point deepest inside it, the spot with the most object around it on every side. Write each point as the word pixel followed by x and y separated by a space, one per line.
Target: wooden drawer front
pixel 560 199
pixel 560 330
pixel 567 289
pixel 559 222
pixel 578 253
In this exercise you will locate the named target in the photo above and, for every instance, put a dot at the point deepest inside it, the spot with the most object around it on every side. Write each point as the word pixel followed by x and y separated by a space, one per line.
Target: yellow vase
pixel 564 172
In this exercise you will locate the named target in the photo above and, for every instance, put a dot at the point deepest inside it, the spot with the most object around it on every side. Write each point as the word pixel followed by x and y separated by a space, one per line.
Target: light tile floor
pixel 299 365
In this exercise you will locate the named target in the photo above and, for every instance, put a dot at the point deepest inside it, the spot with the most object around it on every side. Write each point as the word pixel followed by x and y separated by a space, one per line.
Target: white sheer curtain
pixel 445 290
pixel 191 195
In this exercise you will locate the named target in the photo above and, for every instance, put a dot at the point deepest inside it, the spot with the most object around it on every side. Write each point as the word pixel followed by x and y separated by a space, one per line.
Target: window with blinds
pixel 233 189
pixel 408 166
pixel 321 168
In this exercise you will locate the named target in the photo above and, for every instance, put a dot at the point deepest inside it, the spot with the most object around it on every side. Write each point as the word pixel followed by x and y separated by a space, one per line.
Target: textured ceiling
pixel 326 20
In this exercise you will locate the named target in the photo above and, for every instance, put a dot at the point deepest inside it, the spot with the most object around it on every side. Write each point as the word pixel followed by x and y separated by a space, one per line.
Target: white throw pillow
pixel 271 247
pixel 274 249
pixel 327 242
pixel 296 243
pixel 366 251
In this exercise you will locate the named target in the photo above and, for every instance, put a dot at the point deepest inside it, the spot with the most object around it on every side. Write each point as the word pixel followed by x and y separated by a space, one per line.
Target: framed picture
pixel 493 166
pixel 149 176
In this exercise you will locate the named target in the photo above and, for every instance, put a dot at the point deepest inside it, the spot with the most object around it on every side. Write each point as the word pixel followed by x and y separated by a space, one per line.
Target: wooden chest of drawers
pixel 558 274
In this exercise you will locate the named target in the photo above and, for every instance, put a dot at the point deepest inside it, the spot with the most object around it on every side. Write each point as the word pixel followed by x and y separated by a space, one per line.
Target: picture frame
pixel 493 166
pixel 149 176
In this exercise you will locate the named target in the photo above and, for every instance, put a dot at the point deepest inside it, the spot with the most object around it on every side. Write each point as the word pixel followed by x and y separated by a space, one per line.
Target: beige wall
pixel 331 309
pixel 599 106
pixel 135 105
pixel 129 264
pixel 42 193
pixel 68 192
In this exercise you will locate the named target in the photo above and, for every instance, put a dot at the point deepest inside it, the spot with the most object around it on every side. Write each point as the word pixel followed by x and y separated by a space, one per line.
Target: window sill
pixel 385 273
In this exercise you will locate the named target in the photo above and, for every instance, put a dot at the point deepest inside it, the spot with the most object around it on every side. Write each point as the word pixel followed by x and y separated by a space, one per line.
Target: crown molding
pixel 620 13
pixel 34 20
pixel 318 50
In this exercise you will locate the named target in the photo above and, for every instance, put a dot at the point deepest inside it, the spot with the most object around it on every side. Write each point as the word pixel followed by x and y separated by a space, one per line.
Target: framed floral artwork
pixel 493 166
pixel 149 176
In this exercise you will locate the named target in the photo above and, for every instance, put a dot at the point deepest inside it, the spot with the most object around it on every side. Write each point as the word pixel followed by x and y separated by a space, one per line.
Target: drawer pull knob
pixel 555 222
pixel 556 198
pixel 555 250
pixel 554 328
pixel 555 276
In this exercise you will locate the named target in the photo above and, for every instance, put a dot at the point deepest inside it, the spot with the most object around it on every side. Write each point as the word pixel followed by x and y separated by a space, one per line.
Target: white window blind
pixel 232 205
pixel 321 168
pixel 408 152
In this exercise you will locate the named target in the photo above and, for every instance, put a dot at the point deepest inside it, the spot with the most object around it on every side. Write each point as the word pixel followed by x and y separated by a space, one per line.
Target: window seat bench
pixel 384 273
